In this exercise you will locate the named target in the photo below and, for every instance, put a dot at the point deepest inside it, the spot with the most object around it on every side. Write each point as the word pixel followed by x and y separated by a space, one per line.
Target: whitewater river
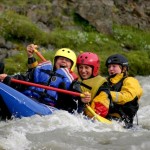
pixel 63 131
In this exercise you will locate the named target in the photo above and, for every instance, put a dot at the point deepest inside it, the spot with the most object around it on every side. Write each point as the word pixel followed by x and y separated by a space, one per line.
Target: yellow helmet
pixel 68 53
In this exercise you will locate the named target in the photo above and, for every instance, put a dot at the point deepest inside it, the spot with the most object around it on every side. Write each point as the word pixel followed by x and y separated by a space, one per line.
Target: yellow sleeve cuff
pixel 33 65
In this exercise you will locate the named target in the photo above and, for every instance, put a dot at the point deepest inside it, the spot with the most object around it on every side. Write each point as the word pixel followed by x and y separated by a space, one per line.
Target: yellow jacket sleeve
pixel 130 89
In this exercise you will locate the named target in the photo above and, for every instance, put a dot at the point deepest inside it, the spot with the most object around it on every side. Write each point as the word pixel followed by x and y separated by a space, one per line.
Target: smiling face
pixel 85 71
pixel 63 62
pixel 114 69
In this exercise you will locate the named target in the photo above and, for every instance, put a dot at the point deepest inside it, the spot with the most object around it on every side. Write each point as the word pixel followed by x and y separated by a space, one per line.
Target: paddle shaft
pixel 40 55
pixel 47 87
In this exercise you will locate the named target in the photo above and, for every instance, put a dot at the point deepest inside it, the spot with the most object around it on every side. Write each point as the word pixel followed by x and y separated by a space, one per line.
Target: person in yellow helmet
pixel 59 76
pixel 125 90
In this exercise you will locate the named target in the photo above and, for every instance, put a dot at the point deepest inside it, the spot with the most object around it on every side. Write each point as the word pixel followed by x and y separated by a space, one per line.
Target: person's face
pixel 63 62
pixel 85 71
pixel 114 69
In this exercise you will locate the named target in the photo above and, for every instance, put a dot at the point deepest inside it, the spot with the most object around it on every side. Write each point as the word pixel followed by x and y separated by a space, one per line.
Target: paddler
pixel 96 86
pixel 125 90
pixel 61 75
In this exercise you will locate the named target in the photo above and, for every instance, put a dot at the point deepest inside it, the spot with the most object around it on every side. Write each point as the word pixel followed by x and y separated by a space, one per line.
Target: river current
pixel 63 131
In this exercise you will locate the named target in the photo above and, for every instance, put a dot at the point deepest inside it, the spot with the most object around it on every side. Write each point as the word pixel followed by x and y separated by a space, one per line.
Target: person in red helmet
pixel 125 90
pixel 93 85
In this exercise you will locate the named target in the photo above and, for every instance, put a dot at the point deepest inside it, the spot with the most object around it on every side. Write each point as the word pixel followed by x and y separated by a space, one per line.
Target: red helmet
pixel 91 59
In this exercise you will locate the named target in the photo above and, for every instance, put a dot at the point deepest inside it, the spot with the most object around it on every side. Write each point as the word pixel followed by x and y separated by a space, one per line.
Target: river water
pixel 63 131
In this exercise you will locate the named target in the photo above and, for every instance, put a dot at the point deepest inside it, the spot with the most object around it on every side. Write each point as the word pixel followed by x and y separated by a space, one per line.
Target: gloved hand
pixel 76 86
pixel 62 85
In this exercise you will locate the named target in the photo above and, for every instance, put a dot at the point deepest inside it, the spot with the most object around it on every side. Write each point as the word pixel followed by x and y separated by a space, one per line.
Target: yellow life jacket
pixel 93 83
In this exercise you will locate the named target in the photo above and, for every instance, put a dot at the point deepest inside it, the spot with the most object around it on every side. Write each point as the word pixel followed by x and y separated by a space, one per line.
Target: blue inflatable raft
pixel 18 105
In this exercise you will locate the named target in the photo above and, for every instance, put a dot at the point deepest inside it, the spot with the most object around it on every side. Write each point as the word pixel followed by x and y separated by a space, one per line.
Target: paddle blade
pixel 99 118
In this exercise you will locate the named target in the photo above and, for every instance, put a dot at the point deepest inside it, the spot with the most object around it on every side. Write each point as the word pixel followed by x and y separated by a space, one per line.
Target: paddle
pixel 47 87
pixel 40 55
pixel 99 118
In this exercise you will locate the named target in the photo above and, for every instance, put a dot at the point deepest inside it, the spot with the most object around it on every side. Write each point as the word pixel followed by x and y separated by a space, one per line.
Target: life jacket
pixel 92 85
pixel 44 75
pixel 129 109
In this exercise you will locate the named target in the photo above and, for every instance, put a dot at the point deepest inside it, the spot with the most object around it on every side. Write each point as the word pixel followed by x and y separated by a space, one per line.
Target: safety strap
pixel 51 73
pixel 43 95
pixel 85 85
